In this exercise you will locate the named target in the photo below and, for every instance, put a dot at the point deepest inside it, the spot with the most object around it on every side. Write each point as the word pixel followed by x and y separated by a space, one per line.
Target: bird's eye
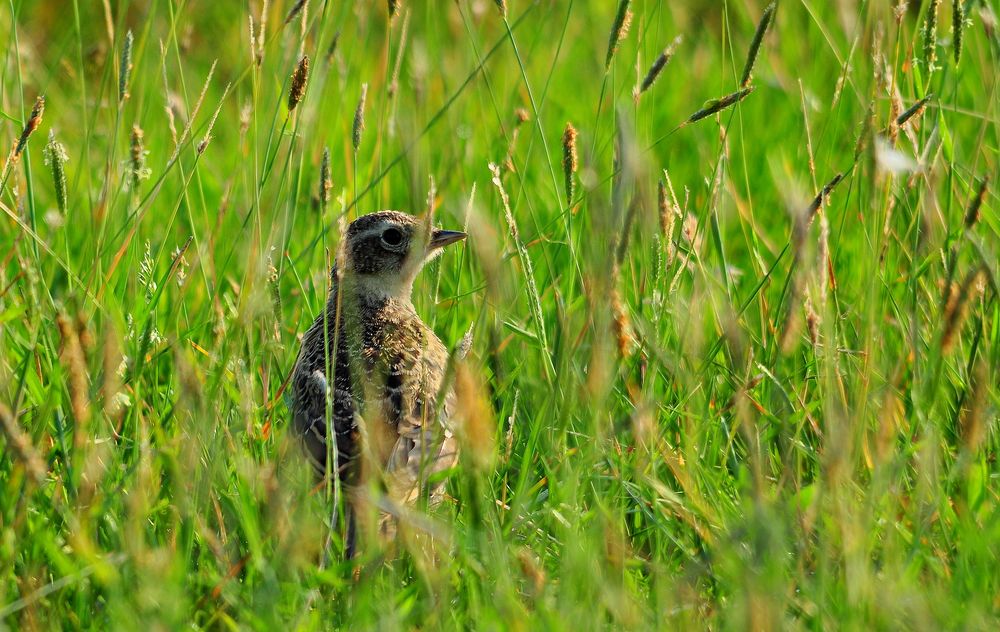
pixel 392 237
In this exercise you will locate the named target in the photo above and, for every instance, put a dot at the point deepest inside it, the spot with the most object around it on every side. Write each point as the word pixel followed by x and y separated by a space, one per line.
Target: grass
pixel 781 414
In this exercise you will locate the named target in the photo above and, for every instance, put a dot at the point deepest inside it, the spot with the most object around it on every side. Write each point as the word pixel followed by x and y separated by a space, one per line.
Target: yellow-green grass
pixel 783 414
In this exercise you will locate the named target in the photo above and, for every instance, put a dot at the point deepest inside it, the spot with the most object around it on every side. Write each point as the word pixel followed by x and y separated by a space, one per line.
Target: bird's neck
pixel 373 288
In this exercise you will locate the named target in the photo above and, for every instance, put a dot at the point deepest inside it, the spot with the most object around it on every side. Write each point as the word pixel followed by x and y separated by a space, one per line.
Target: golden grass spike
pixel 570 161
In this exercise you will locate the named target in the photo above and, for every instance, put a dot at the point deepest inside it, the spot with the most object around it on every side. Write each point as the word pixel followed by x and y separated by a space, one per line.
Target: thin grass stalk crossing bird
pixel 370 374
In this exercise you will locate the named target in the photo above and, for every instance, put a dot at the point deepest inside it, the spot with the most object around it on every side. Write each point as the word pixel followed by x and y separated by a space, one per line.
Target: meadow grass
pixel 734 353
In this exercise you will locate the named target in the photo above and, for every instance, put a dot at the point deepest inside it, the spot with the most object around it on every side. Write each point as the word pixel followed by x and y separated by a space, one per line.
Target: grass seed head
pixel 125 68
pixel 661 62
pixel 914 112
pixel 300 77
pixel 394 8
pixel 619 31
pixel 714 106
pixel 502 7
pixel 758 38
pixel 325 179
pixel 957 27
pixel 55 158
pixel 137 169
pixel 359 118
pixel 930 34
pixel 34 120
pixel 570 160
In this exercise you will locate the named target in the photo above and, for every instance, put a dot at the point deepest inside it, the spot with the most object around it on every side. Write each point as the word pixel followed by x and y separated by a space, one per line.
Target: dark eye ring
pixel 392 237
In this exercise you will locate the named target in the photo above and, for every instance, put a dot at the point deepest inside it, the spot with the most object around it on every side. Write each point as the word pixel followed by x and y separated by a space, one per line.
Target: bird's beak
pixel 441 238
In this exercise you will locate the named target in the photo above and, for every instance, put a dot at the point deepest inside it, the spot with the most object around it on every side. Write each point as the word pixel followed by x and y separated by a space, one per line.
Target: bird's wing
pixel 311 393
pixel 425 443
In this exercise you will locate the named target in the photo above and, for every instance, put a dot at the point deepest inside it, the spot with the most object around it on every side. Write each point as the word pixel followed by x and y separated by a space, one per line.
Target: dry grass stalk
pixel 400 50
pixel 974 422
pixel 957 309
pixel 261 33
pixel 973 213
pixel 112 386
pixel 622 325
pixel 300 77
pixel 661 62
pixel 570 161
pixel 758 39
pixel 476 426
pixel 619 31
pixel 125 68
pixel 668 218
pixel 715 106
pixel 71 356
pixel 930 34
pixel 20 445
pixel 812 322
pixel 137 169
pixel 55 158
pixel 203 145
pixel 325 180
pixel 359 118
pixel 895 111
pixel 522 253
pixel 194 113
pixel 521 117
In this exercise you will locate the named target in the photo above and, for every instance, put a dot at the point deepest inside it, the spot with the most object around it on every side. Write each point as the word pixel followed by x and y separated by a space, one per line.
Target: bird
pixel 370 372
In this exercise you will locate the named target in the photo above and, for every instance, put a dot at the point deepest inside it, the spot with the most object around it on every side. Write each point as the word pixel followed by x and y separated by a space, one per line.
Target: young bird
pixel 370 371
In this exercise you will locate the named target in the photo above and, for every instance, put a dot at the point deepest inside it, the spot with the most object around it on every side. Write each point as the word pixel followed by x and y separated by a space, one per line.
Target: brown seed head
pixel 300 77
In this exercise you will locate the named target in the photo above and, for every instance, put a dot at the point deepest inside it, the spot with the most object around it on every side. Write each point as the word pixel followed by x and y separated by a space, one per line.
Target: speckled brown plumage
pixel 386 367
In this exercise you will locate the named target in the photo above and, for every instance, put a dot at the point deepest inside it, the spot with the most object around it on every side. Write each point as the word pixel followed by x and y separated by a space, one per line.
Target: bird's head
pixel 384 251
